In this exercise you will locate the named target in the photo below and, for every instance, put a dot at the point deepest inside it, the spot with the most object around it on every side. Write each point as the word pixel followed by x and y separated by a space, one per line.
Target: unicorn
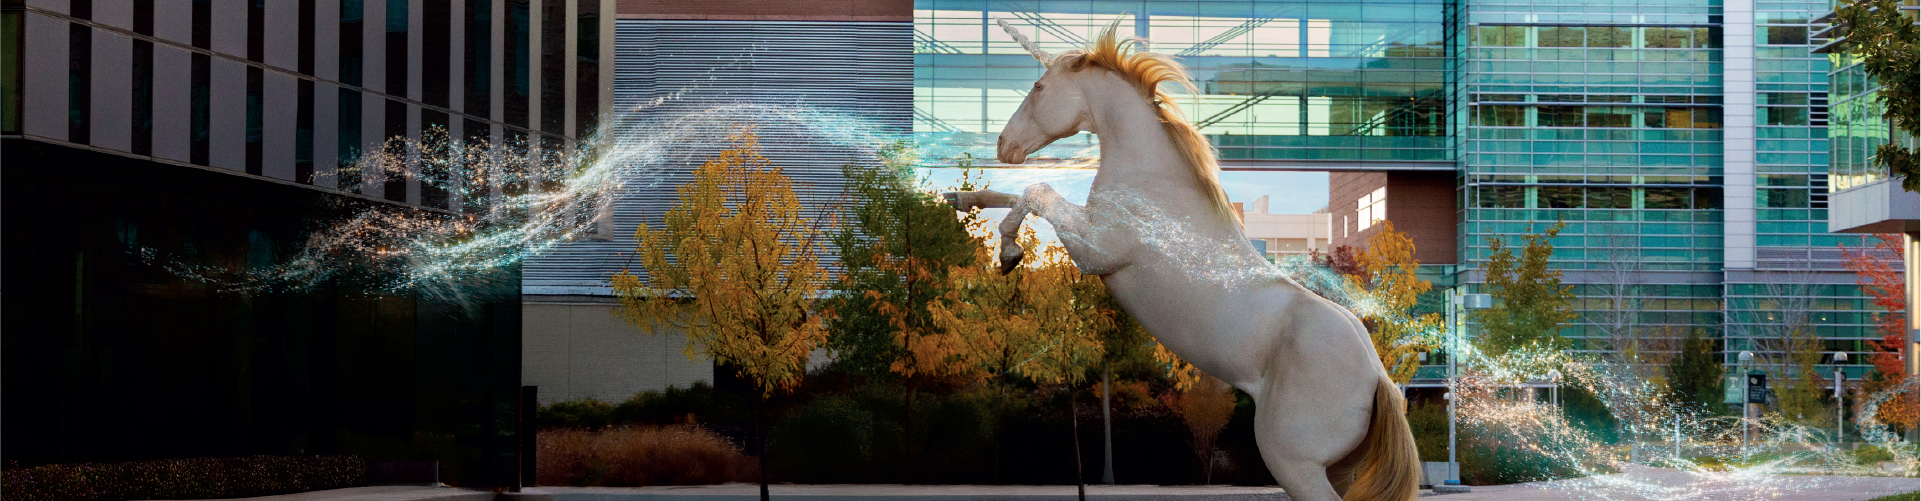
pixel 1158 230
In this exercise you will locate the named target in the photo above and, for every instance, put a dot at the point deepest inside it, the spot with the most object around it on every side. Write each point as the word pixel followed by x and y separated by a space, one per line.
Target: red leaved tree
pixel 1877 268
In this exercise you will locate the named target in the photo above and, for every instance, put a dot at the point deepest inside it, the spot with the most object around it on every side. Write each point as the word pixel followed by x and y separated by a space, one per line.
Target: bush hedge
pixel 192 478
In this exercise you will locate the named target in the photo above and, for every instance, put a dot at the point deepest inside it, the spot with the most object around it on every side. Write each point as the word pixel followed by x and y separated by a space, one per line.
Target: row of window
pixel 1599 117
pixel 1595 197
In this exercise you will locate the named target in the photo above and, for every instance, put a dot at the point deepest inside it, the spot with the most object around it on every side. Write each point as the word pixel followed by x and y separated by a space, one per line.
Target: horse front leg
pixel 1086 240
pixel 1010 228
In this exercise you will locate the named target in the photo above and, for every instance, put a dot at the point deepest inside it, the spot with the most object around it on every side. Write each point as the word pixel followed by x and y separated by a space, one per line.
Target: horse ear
pixel 1079 61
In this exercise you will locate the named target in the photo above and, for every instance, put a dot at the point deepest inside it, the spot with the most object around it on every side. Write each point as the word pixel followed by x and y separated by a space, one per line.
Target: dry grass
pixel 640 456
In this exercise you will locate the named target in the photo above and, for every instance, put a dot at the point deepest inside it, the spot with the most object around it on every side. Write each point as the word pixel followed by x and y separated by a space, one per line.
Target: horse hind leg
pixel 1306 451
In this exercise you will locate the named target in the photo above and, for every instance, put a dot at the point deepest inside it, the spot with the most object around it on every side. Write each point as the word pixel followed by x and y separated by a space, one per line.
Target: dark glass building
pixel 211 130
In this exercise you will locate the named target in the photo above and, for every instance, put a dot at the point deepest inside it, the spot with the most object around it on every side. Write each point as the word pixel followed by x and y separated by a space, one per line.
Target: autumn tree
pixel 1530 303
pixel 1883 38
pixel 1205 408
pixel 1877 270
pixel 1390 279
pixel 733 267
pixel 1042 321
pixel 895 251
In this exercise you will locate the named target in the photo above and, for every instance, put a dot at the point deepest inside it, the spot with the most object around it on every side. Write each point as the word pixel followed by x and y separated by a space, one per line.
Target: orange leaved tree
pixel 734 268
pixel 1877 269
pixel 1398 335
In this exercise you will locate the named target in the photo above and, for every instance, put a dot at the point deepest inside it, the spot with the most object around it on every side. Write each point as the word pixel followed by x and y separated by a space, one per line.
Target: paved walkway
pixel 885 492
pixel 1665 484
pixel 385 493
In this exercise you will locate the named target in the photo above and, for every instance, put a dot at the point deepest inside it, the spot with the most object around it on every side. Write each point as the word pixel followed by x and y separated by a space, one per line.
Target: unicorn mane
pixel 1148 71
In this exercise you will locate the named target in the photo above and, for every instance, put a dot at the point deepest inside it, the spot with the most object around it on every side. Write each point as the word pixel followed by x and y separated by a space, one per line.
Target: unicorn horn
pixel 1039 55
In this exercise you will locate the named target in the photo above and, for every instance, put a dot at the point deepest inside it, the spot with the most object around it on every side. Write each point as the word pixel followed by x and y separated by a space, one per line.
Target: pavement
pixel 886 492
pixel 386 493
pixel 1637 484
pixel 1667 484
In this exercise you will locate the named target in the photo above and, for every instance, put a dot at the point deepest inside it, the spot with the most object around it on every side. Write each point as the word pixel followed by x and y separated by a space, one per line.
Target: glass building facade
pixel 1280 82
pixel 1683 142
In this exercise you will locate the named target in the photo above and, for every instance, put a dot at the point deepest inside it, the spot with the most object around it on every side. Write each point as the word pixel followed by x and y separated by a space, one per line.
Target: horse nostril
pixel 1000 143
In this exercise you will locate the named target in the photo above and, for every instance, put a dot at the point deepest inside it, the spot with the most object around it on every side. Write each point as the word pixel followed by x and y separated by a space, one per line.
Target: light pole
pixel 1840 382
pixel 1458 302
pixel 1554 392
pixel 1746 356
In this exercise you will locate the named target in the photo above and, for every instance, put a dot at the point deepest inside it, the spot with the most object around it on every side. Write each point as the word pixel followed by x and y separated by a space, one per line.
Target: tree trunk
pixel 1107 425
pixel 1074 417
pixel 760 442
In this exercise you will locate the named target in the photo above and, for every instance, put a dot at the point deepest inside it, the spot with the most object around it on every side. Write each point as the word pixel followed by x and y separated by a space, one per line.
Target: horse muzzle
pixel 1009 154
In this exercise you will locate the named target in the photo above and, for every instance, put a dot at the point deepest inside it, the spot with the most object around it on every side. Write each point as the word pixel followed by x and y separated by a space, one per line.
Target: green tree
pixel 1695 376
pixel 735 270
pixel 896 254
pixel 1530 303
pixel 1883 39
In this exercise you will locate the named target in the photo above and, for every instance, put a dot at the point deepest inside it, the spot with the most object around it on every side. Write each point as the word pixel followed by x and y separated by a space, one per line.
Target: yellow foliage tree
pixel 1206 406
pixel 734 269
pixel 1395 289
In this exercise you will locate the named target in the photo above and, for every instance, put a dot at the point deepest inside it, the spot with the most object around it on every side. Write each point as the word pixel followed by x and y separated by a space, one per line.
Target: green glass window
pixel 1501 36
pixel 1559 116
pixel 1666 38
pixel 1785 35
pixel 1561 197
pixel 1502 116
pixel 1563 36
pixel 1608 116
pixel 1666 198
pixel 1608 36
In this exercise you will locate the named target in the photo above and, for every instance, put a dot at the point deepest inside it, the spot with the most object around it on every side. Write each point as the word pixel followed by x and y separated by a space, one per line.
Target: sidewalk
pixel 884 492
pixel 1665 484
pixel 386 493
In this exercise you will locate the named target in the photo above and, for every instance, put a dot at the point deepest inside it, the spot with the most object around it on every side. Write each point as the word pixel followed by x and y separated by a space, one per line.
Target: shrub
pixel 1428 421
pixel 584 413
pixel 193 478
pixel 673 406
pixel 830 440
pixel 639 456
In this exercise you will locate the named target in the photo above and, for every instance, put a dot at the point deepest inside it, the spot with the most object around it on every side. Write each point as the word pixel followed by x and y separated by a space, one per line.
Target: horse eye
pixel 1037 86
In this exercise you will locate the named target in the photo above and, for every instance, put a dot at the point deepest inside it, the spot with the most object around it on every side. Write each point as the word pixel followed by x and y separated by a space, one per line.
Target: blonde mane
pixel 1148 71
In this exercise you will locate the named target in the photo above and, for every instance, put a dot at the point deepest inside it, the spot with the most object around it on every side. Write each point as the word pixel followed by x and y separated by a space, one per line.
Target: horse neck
pixel 1136 152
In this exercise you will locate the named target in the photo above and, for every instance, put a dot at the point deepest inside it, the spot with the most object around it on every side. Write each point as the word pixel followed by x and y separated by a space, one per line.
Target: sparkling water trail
pixel 516 200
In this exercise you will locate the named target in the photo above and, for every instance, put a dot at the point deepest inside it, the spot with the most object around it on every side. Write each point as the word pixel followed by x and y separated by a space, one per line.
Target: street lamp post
pixel 1746 356
pixel 1554 391
pixel 1840 382
pixel 1458 302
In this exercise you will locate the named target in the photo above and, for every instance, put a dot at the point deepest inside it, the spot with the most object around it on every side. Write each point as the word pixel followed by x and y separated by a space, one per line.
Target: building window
pixel 479 57
pixel 1372 207
pixel 303 133
pixel 434 139
pixel 587 69
pixel 436 37
pixel 350 46
pixel 515 77
pixel 79 82
pixel 203 24
pixel 306 36
pixel 12 33
pixel 143 95
pixel 197 129
pixel 397 48
pixel 257 30
pixel 394 143
pixel 553 66
pixel 254 119
pixel 347 140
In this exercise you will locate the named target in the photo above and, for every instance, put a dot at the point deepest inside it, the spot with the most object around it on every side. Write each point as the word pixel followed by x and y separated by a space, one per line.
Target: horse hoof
pixel 1008 263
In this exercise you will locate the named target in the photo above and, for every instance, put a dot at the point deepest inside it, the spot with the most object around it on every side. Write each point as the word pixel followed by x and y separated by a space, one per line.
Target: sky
pixel 1288 192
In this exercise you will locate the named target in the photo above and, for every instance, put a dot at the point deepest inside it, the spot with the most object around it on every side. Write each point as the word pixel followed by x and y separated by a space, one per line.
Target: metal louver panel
pixel 859 69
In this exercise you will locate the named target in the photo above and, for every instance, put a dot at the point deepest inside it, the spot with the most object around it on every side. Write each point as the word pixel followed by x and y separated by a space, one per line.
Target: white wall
pixel 575 348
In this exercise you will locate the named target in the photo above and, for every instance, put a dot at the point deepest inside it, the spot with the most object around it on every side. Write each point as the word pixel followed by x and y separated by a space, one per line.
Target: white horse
pixel 1159 232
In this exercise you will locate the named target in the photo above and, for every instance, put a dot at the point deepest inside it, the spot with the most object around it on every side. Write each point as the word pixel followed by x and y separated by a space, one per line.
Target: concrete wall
pixel 574 347
pixel 1420 204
